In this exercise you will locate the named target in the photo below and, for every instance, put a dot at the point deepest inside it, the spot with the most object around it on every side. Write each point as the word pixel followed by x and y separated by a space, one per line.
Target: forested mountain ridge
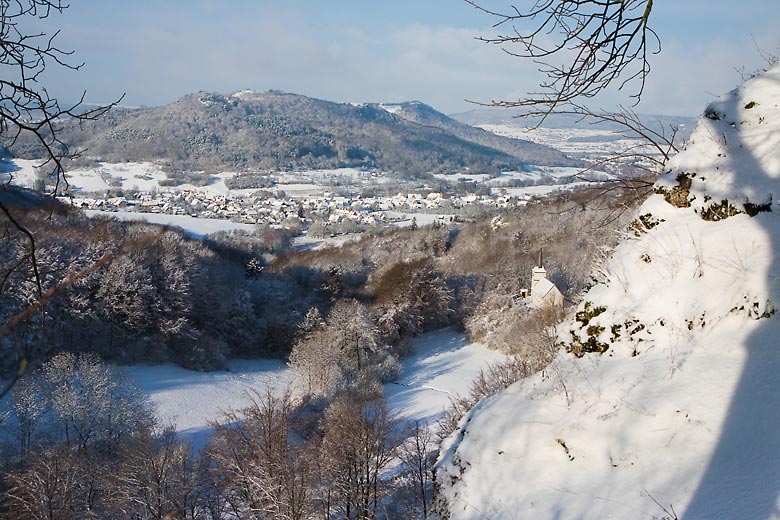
pixel 248 131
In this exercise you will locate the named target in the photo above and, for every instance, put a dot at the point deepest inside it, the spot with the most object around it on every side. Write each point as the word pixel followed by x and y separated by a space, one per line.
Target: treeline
pixel 169 299
pixel 78 441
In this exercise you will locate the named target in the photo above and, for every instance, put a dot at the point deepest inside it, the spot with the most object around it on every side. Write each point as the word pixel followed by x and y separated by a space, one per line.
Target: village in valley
pixel 325 203
pixel 275 209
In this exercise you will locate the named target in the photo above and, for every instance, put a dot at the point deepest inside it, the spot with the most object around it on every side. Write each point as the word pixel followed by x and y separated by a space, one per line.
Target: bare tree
pixel 358 446
pixel 598 43
pixel 265 469
pixel 583 47
pixel 50 487
pixel 159 478
pixel 28 111
pixel 62 483
pixel 417 454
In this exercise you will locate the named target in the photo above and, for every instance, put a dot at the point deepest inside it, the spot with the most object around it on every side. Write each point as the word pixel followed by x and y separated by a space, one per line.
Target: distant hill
pixel 425 115
pixel 508 116
pixel 249 131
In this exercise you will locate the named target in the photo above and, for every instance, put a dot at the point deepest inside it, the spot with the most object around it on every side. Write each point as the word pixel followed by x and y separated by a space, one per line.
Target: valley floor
pixel 443 364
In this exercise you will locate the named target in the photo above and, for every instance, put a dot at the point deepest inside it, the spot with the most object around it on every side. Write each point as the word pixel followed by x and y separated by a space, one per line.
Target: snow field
pixel 189 400
pixel 19 171
pixel 443 365
pixel 194 226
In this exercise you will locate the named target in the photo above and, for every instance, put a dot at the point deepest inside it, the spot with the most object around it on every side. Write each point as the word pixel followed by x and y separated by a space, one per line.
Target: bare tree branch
pixel 28 110
pixel 600 43
pixel 69 280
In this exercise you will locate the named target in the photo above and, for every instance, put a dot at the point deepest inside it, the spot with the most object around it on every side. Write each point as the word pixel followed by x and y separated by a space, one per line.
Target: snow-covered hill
pixel 680 416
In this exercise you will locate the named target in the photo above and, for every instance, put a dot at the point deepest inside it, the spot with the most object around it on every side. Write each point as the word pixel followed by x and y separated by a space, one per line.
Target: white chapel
pixel 544 293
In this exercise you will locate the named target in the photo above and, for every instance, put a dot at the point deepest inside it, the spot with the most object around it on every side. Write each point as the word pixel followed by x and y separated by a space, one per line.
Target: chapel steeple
pixel 539 272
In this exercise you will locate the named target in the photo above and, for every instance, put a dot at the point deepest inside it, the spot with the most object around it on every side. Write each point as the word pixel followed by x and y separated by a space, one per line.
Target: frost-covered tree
pixel 27 412
pixel 127 294
pixel 342 353
pixel 91 403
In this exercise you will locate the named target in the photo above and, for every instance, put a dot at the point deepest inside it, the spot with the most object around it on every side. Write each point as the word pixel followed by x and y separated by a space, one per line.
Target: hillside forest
pixel 342 317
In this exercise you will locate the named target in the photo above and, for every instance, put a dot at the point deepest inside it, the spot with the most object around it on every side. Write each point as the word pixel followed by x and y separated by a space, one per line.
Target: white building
pixel 544 293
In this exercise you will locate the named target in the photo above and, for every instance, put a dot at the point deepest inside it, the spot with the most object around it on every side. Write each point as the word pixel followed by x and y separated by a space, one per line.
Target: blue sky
pixel 392 50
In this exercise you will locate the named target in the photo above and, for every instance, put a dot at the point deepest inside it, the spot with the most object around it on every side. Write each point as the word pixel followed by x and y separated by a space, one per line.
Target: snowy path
pixel 444 363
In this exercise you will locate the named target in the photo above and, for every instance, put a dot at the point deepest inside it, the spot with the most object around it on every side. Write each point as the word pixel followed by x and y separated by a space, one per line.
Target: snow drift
pixel 679 414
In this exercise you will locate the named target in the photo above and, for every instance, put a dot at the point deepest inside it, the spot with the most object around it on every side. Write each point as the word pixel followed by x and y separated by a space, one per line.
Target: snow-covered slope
pixel 681 415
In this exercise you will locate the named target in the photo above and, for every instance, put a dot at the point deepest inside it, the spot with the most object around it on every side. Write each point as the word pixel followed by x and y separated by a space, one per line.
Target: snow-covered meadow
pixel 443 365
pixel 188 400
pixel 126 176
pixel 193 226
